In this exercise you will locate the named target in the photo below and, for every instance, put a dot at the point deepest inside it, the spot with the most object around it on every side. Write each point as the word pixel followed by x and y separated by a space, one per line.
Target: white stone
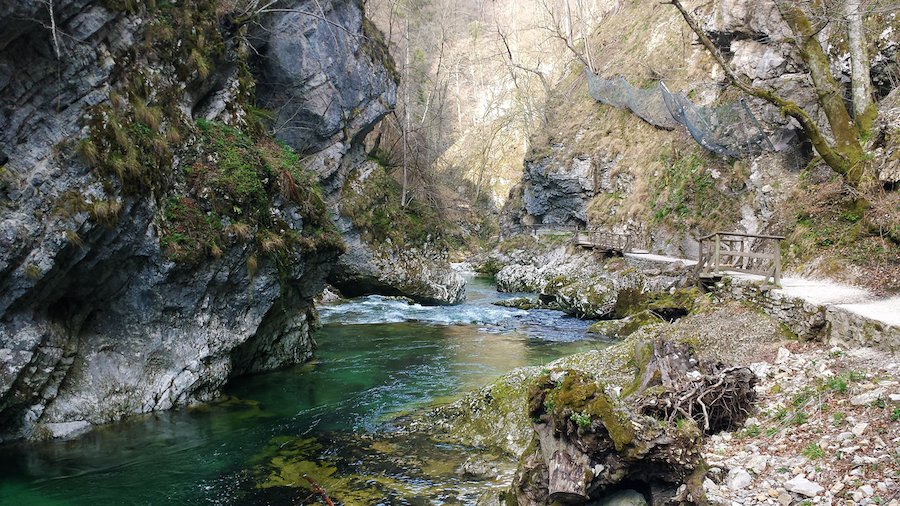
pixel 867 397
pixel 802 486
pixel 557 376
pixel 867 490
pixel 783 355
pixel 758 464
pixel 859 428
pixel 67 430
pixel 738 479
pixel 784 499
pixel 760 369
pixel 844 436
pixel 894 397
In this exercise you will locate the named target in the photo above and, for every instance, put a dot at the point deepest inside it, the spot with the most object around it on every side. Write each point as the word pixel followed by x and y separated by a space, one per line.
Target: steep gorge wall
pixel 600 165
pixel 144 266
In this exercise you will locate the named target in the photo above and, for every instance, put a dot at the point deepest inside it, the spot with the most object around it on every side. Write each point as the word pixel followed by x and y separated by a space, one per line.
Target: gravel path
pixel 815 291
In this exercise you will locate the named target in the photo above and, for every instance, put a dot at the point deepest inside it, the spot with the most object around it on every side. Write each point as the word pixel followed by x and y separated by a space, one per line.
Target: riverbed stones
pixel 738 479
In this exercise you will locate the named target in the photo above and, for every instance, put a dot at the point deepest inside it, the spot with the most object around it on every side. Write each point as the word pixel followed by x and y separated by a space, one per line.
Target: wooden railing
pixel 740 252
pixel 583 237
pixel 598 239
pixel 537 229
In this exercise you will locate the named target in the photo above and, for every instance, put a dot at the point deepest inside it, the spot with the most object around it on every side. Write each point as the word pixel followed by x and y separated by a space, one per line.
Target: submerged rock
pixel 523 303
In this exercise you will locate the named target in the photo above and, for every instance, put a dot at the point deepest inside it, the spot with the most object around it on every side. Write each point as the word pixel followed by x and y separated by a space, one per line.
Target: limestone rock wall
pixel 96 322
pixel 604 166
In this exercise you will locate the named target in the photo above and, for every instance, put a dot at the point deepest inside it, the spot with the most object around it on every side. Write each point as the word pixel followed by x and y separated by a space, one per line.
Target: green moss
pixel 373 205
pixel 376 48
pixel 556 284
pixel 520 303
pixel 190 234
pixel 580 399
pixel 668 305
pixel 232 188
pixel 237 172
pixel 626 326
pixel 687 196
pixel 640 360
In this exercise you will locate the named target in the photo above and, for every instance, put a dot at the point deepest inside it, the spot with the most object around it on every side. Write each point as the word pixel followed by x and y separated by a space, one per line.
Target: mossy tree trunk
pixel 828 91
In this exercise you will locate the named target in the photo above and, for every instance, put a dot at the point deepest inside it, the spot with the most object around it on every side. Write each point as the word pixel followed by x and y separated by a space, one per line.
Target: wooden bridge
pixel 740 252
pixel 720 252
pixel 589 238
pixel 602 241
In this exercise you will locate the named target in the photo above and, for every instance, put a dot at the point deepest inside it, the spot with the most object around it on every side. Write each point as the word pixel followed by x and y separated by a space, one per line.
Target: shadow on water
pixel 378 358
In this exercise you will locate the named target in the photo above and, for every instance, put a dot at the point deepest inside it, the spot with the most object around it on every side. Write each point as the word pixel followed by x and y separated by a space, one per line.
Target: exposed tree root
pixel 588 443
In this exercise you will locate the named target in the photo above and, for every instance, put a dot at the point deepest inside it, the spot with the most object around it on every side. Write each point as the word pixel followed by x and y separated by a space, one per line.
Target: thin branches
pixel 53 28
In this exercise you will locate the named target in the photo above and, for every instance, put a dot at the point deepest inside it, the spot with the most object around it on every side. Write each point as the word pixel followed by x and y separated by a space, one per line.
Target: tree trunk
pixel 828 91
pixel 861 82
pixel 406 119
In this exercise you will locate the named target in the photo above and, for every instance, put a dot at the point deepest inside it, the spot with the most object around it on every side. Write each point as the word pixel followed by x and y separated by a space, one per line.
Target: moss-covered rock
pixel 394 249
pixel 625 326
pixel 245 190
pixel 497 416
pixel 575 402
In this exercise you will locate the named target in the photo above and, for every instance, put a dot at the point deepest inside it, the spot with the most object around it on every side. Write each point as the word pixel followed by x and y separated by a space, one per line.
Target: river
pixel 378 358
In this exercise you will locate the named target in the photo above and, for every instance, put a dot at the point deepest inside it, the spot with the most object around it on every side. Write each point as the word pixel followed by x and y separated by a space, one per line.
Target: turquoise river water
pixel 378 358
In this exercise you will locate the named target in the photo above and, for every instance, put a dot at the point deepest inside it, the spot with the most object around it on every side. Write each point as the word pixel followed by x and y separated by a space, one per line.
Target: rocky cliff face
pixel 167 251
pixel 391 249
pixel 603 166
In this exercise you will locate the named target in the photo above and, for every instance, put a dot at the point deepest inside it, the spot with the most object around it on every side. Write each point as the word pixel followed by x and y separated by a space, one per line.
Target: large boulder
pixel 422 274
pixel 558 193
pixel 327 77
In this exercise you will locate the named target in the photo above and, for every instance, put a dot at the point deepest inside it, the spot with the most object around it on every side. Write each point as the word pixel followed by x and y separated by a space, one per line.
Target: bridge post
pixel 777 262
pixel 716 255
